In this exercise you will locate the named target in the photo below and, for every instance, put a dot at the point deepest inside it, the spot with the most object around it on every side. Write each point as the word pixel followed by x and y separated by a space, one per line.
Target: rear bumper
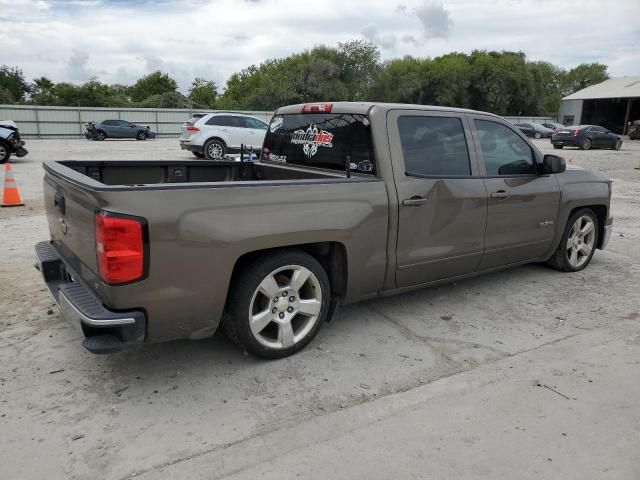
pixel 185 145
pixel 105 331
pixel 568 141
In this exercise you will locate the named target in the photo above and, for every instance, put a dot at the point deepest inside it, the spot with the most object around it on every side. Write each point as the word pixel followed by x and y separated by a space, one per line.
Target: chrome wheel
pixel 215 150
pixel 285 307
pixel 586 144
pixel 581 241
pixel 538 135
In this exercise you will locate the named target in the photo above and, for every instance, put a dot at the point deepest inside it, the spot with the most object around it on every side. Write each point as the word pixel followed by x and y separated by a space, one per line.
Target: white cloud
pixel 121 41
pixel 435 19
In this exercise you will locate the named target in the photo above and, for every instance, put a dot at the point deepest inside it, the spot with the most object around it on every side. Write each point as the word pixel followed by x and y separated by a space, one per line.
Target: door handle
pixel 414 201
pixel 500 195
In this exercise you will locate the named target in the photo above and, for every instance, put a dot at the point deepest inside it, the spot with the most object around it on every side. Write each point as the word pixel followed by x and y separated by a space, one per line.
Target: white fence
pixel 65 122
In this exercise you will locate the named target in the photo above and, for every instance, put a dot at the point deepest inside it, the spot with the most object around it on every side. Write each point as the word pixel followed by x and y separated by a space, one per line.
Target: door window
pixel 254 123
pixel 221 121
pixel 503 150
pixel 434 146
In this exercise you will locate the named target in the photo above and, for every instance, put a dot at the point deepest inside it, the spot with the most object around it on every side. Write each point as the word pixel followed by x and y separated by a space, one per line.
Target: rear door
pixel 256 131
pixel 522 204
pixel 442 199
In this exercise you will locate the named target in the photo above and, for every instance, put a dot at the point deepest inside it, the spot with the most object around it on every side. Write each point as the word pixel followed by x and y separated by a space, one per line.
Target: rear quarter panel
pixel 197 235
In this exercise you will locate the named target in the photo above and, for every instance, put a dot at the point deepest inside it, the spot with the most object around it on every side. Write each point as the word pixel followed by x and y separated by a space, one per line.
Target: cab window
pixel 434 146
pixel 504 151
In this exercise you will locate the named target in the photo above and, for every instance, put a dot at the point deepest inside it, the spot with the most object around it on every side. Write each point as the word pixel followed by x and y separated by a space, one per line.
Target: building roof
pixel 621 87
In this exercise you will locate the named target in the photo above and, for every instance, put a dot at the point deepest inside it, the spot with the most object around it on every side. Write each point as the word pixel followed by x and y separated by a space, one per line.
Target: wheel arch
pixel 601 215
pixel 215 137
pixel 331 255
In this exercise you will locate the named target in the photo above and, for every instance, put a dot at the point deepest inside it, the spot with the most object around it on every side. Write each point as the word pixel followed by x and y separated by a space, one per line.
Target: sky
pixel 118 41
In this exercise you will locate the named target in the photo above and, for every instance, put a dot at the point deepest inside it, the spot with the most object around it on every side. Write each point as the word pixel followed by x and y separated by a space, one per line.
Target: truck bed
pixel 139 173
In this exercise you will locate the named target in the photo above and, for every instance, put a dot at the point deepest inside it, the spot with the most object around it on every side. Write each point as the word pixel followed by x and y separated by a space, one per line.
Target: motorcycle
pixel 10 141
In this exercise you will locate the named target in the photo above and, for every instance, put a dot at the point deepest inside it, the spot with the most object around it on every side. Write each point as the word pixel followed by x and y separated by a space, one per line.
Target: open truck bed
pixel 197 220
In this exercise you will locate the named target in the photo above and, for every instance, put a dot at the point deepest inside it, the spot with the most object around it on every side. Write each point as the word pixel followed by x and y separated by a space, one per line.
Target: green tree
pixel 583 76
pixel 203 93
pixel 166 100
pixel 42 91
pixel 155 83
pixel 12 80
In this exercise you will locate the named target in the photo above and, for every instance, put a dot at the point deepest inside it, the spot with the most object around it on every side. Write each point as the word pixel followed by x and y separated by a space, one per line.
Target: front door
pixel 522 204
pixel 442 202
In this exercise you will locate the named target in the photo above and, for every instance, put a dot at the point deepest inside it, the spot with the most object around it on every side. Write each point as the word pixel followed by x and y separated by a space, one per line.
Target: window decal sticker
pixel 276 123
pixel 311 139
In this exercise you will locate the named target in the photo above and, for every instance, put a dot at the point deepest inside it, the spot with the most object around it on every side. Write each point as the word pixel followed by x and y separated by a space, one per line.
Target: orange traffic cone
pixel 10 195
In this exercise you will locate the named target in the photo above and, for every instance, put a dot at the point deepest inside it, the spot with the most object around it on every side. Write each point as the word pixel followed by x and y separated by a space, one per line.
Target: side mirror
pixel 553 164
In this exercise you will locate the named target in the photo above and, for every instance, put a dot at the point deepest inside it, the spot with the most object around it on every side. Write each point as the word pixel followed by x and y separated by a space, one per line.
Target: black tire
pixel 558 147
pixel 246 283
pixel 212 146
pixel 100 136
pixel 198 154
pixel 141 135
pixel 537 135
pixel 5 153
pixel 560 259
pixel 585 144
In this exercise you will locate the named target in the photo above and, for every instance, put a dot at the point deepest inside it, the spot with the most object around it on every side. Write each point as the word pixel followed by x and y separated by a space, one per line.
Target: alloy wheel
pixel 581 241
pixel 215 150
pixel 285 307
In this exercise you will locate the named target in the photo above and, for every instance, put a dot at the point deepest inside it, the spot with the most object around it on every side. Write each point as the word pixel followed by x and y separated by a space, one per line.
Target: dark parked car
pixel 10 141
pixel 120 129
pixel 553 125
pixel 586 137
pixel 534 130
pixel 634 130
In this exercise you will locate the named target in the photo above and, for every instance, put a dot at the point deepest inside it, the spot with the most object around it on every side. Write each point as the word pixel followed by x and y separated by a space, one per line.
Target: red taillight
pixel 576 132
pixel 317 107
pixel 120 248
pixel 191 128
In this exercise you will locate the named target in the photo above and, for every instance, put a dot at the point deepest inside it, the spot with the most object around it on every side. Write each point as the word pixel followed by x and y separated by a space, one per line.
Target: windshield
pixel 321 140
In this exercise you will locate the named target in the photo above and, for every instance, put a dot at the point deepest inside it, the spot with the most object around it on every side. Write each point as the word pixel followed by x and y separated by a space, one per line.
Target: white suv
pixel 216 134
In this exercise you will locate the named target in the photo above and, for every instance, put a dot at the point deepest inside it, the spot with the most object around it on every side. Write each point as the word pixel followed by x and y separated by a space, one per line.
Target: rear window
pixel 321 140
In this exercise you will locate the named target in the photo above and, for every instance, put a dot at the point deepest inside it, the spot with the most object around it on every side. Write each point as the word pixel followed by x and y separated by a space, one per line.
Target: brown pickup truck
pixel 348 202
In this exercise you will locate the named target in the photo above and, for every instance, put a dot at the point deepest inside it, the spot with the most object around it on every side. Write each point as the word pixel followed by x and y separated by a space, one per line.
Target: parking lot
pixel 524 373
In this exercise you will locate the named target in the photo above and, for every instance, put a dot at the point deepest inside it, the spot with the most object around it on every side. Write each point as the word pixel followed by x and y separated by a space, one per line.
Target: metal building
pixel 613 104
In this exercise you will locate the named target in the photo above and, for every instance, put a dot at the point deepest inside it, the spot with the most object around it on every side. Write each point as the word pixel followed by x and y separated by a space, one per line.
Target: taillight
pixel 191 128
pixel 317 107
pixel 119 247
pixel 576 132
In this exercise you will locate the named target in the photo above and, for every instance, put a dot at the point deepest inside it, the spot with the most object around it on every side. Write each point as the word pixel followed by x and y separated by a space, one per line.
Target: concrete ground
pixel 525 373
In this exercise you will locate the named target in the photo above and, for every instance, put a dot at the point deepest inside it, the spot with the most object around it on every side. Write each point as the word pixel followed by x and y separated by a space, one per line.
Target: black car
pixel 586 137
pixel 534 130
pixel 553 125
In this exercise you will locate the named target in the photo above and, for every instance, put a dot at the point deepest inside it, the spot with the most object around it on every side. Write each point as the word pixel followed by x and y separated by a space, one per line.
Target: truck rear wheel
pixel 578 243
pixel 277 304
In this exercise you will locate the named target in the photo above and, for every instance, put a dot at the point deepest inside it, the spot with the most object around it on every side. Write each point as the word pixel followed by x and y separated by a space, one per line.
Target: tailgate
pixel 70 210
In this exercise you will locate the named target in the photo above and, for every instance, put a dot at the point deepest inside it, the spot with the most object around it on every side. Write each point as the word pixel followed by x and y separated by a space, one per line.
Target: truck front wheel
pixel 578 242
pixel 277 304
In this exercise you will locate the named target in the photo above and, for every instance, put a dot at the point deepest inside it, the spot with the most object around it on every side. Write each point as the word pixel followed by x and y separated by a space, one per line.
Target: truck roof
pixel 364 107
